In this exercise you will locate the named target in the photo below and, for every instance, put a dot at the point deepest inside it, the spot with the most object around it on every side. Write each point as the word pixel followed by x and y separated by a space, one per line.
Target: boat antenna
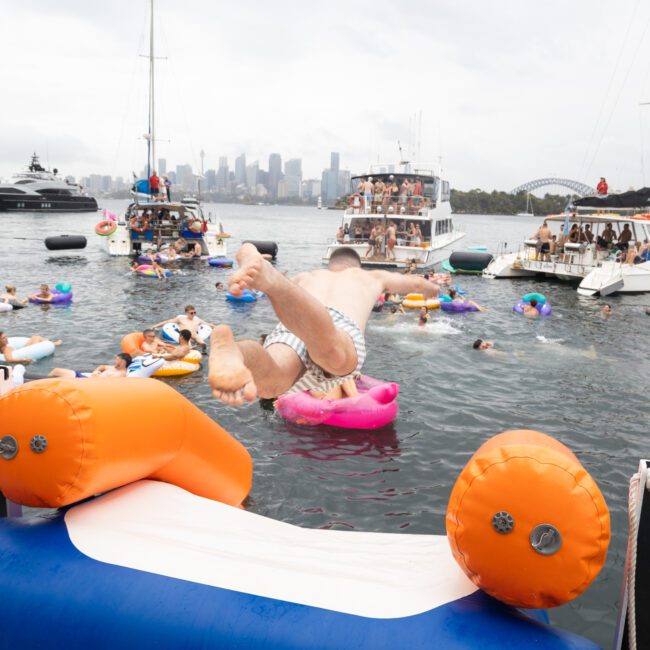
pixel 401 155
pixel 151 141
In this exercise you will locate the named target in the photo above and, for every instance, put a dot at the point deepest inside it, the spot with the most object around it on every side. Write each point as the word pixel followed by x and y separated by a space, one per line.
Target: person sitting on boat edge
pixel 11 297
pixel 319 343
pixel 118 369
pixel 634 255
pixel 456 297
pixel 179 352
pixel 604 241
pixel 624 238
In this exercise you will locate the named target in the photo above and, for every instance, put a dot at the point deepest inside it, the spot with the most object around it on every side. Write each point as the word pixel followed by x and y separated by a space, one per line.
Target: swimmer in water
pixel 530 309
pixel 480 344
pixel 423 318
pixel 12 298
pixel 606 311
pixel 319 344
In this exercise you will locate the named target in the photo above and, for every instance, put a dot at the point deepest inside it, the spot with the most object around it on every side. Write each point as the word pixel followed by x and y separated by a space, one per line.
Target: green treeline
pixel 480 202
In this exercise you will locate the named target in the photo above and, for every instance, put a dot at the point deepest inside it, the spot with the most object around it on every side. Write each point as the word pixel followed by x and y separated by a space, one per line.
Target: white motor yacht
pixel 597 265
pixel 429 210
pixel 40 190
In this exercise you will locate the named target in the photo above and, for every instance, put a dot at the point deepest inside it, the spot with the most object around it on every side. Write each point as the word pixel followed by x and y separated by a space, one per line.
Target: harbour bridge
pixel 576 187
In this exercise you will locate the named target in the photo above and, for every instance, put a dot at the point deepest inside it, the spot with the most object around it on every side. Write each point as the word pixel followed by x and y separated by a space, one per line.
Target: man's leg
pixel 301 313
pixel 238 371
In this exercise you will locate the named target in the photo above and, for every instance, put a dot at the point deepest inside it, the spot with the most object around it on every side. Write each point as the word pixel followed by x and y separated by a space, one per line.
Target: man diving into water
pixel 319 344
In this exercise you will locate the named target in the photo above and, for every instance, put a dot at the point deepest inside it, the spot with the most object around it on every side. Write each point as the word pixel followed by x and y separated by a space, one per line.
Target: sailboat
pixel 529 208
pixel 152 220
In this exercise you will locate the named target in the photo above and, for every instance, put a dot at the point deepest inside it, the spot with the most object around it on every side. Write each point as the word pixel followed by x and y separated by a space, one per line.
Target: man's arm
pixel 396 283
pixel 164 322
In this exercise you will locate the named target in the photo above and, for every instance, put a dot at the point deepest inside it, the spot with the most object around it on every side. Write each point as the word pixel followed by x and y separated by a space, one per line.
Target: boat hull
pixel 30 203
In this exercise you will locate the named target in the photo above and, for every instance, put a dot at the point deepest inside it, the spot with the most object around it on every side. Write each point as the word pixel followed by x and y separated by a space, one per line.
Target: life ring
pixel 139 229
pixel 355 201
pixel 106 227
pixel 195 226
pixel 223 235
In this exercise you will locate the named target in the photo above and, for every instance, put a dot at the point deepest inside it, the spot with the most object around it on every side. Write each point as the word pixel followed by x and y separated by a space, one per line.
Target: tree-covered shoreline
pixel 479 202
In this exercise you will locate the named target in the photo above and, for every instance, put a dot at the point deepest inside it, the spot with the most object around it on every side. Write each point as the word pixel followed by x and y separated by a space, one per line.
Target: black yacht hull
pixel 47 204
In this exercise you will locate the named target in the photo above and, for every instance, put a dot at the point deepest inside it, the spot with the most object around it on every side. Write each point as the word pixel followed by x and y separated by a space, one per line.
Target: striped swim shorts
pixel 314 377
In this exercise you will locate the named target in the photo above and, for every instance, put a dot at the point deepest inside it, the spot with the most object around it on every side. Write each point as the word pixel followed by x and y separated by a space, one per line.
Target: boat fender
pixel 526 522
pixel 264 247
pixel 180 445
pixel 65 242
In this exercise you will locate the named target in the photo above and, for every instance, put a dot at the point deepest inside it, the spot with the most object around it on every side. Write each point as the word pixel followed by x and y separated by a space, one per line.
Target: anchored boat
pixel 425 206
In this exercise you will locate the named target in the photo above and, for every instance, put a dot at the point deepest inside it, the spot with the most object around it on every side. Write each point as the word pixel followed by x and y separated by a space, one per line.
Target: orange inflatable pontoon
pixel 75 439
pixel 526 522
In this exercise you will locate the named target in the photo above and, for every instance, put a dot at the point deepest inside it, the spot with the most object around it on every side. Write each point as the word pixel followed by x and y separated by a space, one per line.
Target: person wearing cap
pixel 602 187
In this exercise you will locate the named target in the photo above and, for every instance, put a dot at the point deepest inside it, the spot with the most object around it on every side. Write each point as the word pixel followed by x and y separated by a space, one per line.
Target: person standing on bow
pixel 154 185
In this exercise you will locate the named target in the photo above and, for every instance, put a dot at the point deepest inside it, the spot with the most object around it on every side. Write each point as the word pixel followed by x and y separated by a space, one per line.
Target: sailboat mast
pixel 152 136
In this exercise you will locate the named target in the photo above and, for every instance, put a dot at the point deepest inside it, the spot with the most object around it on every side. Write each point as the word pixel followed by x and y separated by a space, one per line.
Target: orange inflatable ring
pixel 132 343
pixel 526 522
pixel 139 229
pixel 95 441
pixel 106 227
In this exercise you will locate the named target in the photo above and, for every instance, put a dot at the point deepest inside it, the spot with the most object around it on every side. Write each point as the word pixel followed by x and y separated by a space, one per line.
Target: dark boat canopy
pixel 633 199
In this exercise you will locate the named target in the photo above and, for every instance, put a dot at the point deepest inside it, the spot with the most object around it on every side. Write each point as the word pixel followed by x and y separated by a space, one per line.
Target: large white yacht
pixel 38 189
pixel 430 210
pixel 596 267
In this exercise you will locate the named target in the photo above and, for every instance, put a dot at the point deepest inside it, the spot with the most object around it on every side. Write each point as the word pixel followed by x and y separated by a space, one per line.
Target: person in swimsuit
pixel 456 297
pixel 423 319
pixel 181 351
pixel 530 309
pixel 10 354
pixel 187 321
pixel 44 294
pixel 153 345
pixel 11 297
pixel 118 369
pixel 319 343
pixel 391 240
pixel 372 242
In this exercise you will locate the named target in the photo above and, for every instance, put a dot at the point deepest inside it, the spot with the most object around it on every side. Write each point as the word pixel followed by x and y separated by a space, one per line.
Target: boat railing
pixel 575 259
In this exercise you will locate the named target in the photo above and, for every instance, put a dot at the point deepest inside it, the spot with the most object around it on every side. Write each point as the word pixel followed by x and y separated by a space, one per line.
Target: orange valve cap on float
pixel 526 522
pixel 63 440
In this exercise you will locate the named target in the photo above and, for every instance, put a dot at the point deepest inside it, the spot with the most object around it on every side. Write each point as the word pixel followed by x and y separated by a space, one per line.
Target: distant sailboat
pixel 529 208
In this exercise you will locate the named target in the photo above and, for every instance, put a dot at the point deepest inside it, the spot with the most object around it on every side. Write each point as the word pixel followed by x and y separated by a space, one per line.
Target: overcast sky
pixel 509 91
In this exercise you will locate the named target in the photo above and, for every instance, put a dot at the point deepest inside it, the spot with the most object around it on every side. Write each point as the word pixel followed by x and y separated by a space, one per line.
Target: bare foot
pixel 57 342
pixel 254 271
pixel 231 381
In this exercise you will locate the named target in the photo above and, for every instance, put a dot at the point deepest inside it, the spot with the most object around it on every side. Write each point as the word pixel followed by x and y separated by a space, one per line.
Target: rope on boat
pixel 633 517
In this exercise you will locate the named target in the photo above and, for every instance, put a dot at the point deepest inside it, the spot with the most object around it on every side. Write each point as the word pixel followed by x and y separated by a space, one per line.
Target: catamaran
pixel 429 211
pixel 597 265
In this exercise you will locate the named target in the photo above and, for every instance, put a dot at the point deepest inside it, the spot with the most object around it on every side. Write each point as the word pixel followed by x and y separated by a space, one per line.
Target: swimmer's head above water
pixel 480 344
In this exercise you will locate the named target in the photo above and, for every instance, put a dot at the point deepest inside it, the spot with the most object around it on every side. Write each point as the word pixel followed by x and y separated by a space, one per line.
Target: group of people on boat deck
pixel 160 188
pixel 551 245
pixel 391 196
pixel 381 236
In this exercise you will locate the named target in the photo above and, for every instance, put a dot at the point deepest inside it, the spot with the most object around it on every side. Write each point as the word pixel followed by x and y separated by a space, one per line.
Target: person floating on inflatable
pixel 319 343
pixel 153 345
pixel 461 303
pixel 181 351
pixel 44 294
pixel 118 369
pixel 11 297
pixel 188 321
pixel 8 351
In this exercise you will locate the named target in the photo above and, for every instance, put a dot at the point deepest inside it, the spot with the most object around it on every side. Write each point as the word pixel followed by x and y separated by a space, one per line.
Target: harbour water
pixel 574 375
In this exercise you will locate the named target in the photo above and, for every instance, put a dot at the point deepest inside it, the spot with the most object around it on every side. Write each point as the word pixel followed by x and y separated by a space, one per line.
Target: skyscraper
pixel 240 170
pixel 162 167
pixel 251 176
pixel 334 161
pixel 293 178
pixel 222 174
pixel 275 174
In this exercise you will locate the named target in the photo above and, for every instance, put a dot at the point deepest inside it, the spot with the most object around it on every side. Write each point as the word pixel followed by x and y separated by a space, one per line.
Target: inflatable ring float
pixel 375 406
pixel 58 298
pixel 417 301
pixel 246 296
pixel 185 366
pixel 34 352
pixel 544 308
pixel 220 262
pixel 106 227
pixel 457 307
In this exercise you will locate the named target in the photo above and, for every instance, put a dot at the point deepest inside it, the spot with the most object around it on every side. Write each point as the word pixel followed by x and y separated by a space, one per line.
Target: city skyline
pixel 506 92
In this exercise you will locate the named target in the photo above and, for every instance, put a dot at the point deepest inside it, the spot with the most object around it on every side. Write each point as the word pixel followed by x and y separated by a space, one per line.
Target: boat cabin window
pixel 54 191
pixel 24 181
pixel 446 192
pixel 443 226
pixel 11 190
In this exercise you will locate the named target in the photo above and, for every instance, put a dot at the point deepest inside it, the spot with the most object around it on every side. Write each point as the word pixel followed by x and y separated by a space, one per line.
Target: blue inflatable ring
pixel 540 297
